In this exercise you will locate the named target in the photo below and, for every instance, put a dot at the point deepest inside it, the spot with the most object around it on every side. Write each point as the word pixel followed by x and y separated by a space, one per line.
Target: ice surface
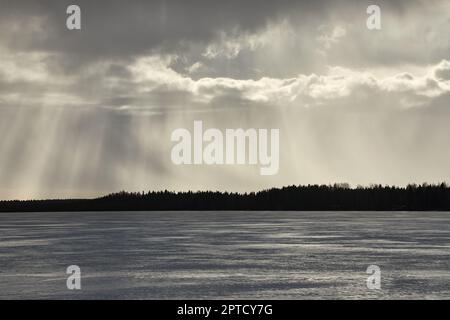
pixel 233 255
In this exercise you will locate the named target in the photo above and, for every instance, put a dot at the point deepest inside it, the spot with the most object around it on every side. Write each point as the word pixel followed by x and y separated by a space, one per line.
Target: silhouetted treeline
pixel 312 197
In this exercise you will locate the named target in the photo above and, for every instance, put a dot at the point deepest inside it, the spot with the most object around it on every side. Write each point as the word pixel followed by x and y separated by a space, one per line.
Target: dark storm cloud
pixel 122 31
pixel 113 27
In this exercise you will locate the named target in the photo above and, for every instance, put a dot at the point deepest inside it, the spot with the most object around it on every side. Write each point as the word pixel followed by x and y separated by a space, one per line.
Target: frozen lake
pixel 232 255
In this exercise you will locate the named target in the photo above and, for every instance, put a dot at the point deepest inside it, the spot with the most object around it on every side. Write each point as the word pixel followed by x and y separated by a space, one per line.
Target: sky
pixel 88 112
